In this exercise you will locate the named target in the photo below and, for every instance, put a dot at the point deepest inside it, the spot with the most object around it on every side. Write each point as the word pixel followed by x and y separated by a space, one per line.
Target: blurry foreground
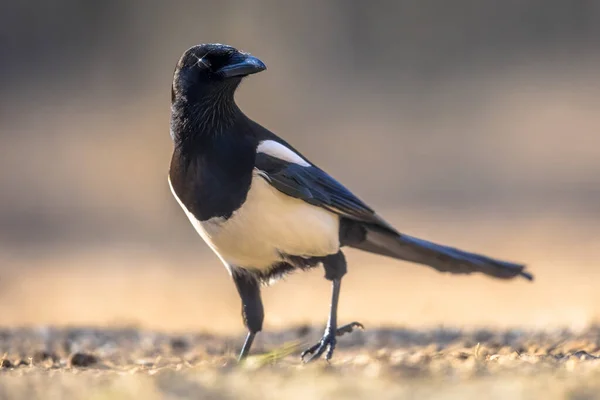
pixel 383 364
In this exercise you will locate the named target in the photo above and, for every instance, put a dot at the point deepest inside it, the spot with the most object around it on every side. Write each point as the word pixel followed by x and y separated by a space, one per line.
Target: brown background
pixel 474 124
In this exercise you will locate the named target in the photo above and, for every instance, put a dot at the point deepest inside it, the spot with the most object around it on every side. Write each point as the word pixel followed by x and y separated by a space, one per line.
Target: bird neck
pixel 197 120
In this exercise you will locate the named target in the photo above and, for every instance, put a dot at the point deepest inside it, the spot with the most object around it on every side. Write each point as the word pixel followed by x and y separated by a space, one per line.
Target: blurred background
pixel 474 124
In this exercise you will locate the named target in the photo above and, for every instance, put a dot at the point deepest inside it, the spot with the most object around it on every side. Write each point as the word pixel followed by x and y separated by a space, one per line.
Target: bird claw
pixel 328 342
pixel 349 328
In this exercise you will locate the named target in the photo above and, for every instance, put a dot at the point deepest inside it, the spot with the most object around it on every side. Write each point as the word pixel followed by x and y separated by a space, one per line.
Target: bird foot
pixel 328 342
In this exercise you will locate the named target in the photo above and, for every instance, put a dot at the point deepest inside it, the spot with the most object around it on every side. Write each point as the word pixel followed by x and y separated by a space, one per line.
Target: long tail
pixel 443 258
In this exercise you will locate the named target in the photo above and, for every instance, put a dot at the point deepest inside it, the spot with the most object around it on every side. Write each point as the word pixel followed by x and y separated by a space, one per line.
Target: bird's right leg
pixel 335 269
pixel 252 308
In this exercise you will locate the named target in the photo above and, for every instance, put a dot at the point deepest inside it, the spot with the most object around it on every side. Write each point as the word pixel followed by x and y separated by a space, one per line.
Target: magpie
pixel 265 209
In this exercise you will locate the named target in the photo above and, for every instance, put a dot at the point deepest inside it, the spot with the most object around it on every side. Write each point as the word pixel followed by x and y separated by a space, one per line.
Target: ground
pixel 129 363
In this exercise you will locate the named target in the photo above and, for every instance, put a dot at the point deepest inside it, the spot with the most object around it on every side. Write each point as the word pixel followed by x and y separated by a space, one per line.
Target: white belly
pixel 267 224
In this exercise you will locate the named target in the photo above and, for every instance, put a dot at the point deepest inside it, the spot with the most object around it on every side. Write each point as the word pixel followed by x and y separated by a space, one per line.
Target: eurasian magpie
pixel 265 209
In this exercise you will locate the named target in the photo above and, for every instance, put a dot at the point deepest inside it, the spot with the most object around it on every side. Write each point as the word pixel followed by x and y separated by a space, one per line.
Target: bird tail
pixel 443 258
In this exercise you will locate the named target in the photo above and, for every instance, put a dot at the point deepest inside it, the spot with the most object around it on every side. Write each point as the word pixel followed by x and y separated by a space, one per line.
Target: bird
pixel 265 210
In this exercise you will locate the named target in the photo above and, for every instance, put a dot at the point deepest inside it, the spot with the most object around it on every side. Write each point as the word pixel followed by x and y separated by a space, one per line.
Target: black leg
pixel 247 345
pixel 335 269
pixel 252 308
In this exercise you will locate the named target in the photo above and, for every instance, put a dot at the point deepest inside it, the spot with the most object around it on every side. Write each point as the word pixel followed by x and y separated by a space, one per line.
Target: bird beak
pixel 242 66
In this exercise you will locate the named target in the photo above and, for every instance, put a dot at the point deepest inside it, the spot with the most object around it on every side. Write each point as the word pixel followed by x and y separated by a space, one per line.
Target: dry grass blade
pixel 273 356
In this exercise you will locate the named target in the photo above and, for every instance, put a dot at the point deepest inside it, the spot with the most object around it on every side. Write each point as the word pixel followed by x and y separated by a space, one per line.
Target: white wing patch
pixel 267 224
pixel 278 150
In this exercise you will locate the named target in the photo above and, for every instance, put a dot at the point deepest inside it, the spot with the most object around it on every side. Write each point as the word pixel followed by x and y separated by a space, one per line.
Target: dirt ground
pixel 129 363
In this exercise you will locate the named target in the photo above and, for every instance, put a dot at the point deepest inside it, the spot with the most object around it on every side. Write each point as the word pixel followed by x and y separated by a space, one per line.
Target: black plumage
pixel 266 210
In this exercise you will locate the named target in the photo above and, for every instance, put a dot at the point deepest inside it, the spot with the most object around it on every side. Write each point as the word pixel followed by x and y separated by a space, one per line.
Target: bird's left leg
pixel 252 308
pixel 335 269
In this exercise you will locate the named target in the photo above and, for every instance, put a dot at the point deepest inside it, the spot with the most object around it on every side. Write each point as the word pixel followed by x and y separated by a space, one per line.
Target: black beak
pixel 242 65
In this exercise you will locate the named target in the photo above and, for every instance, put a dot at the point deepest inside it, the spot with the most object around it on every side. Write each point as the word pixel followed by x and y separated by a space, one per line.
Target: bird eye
pixel 202 62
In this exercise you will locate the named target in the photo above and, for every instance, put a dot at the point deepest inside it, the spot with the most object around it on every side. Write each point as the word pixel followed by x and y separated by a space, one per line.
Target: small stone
pixel 584 355
pixel 43 356
pixel 83 360
pixel 570 365
pixel 178 344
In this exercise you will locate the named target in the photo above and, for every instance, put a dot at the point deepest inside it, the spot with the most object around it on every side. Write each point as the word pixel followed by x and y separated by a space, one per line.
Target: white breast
pixel 267 224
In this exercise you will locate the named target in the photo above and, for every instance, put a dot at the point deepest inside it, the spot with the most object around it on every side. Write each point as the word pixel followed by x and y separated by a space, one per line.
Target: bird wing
pixel 316 187
pixel 307 182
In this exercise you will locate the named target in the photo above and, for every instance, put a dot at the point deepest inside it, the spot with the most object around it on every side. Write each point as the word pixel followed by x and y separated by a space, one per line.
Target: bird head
pixel 208 69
